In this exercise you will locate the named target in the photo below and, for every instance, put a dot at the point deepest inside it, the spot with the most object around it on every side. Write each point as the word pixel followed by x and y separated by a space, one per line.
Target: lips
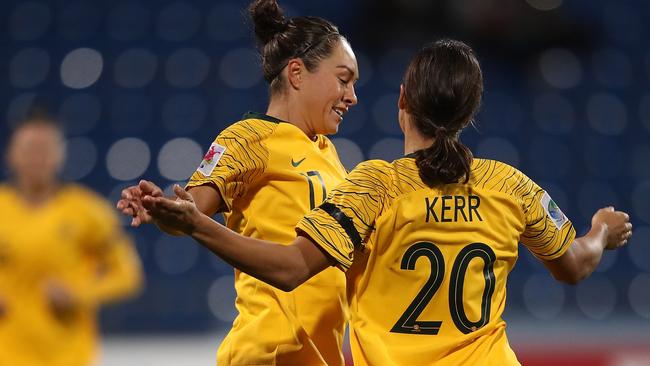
pixel 340 111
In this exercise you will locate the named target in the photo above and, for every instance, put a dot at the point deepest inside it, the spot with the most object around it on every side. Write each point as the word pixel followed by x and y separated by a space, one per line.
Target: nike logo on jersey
pixel 296 163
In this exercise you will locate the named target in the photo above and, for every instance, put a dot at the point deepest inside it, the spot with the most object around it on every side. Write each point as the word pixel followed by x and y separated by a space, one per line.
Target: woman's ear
pixel 295 69
pixel 401 103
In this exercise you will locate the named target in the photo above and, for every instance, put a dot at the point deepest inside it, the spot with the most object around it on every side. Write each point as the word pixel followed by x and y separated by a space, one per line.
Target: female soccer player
pixel 62 254
pixel 266 172
pixel 428 240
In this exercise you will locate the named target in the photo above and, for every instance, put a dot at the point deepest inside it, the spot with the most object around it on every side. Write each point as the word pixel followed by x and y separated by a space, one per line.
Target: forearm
pixel 279 265
pixel 582 257
pixel 208 201
pixel 119 275
pixel 168 230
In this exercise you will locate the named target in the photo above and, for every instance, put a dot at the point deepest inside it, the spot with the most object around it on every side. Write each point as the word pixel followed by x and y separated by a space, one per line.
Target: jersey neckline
pixel 263 117
pixel 320 139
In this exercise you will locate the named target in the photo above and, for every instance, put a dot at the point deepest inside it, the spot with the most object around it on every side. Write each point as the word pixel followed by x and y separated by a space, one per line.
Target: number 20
pixel 408 322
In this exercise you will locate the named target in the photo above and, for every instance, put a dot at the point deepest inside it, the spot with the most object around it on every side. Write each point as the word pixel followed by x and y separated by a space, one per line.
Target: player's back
pixel 427 283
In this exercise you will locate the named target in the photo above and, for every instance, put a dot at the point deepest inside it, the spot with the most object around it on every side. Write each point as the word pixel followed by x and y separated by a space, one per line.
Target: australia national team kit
pixel 427 267
pixel 270 174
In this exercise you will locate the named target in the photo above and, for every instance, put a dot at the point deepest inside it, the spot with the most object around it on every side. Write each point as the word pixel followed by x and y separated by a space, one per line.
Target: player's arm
pixel 282 266
pixel 113 269
pixel 119 272
pixel 610 229
pixel 237 158
pixel 116 273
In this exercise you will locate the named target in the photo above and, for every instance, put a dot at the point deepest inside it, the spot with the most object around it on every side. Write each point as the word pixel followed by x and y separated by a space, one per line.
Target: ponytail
pixel 446 161
pixel 442 89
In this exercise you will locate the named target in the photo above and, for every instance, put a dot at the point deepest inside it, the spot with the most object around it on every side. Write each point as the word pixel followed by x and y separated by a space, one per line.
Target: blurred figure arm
pixel 610 229
pixel 118 272
pixel 115 273
pixel 108 269
pixel 114 270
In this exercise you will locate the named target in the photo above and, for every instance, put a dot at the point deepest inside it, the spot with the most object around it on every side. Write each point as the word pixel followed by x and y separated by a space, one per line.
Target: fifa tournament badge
pixel 211 159
pixel 553 211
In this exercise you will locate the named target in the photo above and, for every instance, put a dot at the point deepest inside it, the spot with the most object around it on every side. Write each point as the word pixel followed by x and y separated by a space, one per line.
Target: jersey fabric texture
pixel 75 240
pixel 427 267
pixel 270 174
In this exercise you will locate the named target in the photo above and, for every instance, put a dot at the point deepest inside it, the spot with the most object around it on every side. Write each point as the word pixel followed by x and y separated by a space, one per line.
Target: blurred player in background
pixel 428 240
pixel 265 173
pixel 62 255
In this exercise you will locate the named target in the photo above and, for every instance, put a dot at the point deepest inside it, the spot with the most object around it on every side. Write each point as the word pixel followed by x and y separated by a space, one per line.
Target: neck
pixel 414 141
pixel 34 193
pixel 280 107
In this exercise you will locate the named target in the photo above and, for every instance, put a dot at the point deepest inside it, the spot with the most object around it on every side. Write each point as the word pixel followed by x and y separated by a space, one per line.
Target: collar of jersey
pixel 263 117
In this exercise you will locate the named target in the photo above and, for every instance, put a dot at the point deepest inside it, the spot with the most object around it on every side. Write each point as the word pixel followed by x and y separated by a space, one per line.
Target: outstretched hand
pixel 180 214
pixel 131 202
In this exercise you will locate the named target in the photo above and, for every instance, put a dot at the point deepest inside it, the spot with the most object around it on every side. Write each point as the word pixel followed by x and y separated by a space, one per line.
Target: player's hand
pixel 131 202
pixel 62 302
pixel 617 226
pixel 180 214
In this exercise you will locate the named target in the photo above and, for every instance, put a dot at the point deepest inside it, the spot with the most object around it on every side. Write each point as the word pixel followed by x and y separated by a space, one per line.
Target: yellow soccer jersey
pixel 270 174
pixel 428 266
pixel 73 240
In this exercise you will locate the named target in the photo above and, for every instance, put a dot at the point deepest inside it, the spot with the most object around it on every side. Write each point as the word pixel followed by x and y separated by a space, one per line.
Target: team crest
pixel 553 211
pixel 211 159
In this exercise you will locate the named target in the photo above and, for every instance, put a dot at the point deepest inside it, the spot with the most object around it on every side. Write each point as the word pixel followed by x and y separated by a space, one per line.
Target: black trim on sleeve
pixel 344 221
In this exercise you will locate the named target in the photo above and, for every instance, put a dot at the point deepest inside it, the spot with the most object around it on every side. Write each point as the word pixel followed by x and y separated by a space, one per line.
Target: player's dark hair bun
pixel 268 19
pixel 279 39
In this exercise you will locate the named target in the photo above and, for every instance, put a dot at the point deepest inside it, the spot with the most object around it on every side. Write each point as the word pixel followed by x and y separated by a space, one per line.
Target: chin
pixel 329 129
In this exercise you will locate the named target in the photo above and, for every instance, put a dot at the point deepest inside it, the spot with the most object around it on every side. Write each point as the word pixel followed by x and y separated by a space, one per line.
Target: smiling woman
pixel 280 158
pixel 427 241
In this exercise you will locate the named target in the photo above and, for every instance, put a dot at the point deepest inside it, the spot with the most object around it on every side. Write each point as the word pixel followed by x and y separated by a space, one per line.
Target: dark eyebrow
pixel 349 70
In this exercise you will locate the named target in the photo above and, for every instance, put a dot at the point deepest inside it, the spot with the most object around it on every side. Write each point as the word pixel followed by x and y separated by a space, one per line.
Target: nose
pixel 350 97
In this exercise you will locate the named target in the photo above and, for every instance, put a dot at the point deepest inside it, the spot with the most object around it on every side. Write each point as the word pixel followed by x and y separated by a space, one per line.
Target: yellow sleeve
pixel 119 272
pixel 548 232
pixel 346 219
pixel 236 159
pixel 116 269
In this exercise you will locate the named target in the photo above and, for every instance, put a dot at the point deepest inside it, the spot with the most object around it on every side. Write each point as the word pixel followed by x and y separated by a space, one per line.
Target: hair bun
pixel 268 19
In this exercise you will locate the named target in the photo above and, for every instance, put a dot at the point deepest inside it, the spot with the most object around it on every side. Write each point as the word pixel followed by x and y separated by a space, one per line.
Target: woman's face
pixel 328 92
pixel 35 154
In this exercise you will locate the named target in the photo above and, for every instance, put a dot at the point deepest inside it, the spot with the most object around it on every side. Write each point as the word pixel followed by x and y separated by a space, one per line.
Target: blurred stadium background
pixel 144 86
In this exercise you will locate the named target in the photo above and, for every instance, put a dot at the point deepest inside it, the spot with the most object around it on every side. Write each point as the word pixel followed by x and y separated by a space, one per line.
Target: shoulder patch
pixel 553 211
pixel 211 159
